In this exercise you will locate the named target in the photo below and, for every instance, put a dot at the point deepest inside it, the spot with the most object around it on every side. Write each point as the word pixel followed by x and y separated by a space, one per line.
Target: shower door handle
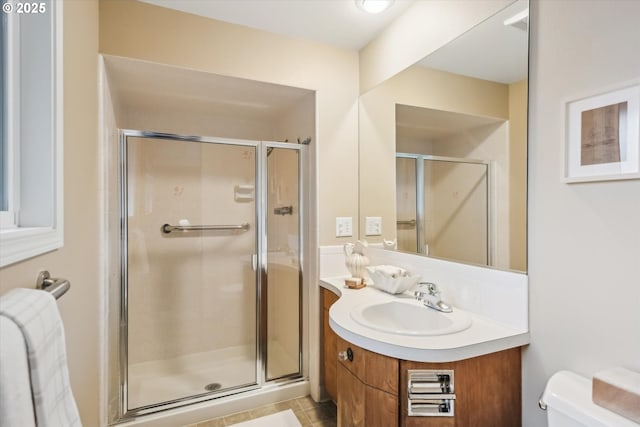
pixel 254 262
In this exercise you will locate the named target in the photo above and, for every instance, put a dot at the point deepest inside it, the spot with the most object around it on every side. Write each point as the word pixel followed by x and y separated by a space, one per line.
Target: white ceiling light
pixel 374 6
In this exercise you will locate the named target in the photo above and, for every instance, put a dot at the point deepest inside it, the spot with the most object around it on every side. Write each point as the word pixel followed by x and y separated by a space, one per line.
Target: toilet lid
pixel 570 394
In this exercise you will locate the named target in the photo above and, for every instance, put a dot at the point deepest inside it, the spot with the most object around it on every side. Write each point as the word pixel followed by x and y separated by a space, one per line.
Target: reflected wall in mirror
pixel 443 148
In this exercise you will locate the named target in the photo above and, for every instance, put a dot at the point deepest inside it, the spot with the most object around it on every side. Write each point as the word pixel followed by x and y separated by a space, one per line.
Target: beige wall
pixel 433 22
pixel 78 260
pixel 584 239
pixel 518 175
pixel 137 30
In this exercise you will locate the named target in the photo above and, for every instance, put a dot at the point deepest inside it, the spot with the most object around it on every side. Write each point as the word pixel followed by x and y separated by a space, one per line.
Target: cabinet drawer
pixel 373 369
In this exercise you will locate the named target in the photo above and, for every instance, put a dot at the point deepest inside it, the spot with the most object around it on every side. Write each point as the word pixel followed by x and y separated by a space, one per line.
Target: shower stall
pixel 207 245
pixel 211 280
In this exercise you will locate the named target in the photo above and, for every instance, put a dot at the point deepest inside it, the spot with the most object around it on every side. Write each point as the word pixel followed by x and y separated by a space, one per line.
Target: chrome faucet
pixel 431 298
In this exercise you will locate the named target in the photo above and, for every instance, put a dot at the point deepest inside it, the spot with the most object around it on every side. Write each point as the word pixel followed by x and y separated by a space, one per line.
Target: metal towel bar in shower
pixel 411 222
pixel 57 287
pixel 166 228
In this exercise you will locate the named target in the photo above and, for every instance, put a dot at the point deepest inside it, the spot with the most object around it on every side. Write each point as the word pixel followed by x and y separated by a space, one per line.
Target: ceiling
pixel 489 51
pixel 421 124
pixel 336 22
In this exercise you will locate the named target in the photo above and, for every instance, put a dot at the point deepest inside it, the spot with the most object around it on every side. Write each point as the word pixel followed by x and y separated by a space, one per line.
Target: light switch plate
pixel 344 226
pixel 373 226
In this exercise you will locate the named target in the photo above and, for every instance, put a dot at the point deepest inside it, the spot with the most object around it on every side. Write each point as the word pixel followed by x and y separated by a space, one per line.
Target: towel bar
pixel 57 287
pixel 167 228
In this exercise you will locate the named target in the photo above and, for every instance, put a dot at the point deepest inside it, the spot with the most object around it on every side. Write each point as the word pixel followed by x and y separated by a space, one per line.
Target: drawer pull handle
pixel 346 355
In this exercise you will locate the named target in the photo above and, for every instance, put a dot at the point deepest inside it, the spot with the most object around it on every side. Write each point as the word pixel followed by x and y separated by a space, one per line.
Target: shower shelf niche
pixel 243 193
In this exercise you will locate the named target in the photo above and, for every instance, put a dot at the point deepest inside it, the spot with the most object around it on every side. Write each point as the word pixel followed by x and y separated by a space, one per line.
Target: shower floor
pixel 160 381
pixel 165 380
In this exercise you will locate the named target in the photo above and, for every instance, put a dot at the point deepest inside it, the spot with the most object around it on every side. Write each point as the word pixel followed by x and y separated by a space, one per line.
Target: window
pixel 4 202
pixel 31 130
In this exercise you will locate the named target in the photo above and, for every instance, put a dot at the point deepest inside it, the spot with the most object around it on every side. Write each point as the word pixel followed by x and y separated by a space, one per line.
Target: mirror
pixel 443 149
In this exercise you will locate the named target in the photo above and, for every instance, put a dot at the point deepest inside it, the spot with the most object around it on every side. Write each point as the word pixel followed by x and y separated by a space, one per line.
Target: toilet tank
pixel 568 401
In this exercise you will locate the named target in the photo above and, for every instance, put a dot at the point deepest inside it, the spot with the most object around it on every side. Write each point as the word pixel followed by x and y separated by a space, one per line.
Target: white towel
pixel 16 407
pixel 36 315
pixel 391 271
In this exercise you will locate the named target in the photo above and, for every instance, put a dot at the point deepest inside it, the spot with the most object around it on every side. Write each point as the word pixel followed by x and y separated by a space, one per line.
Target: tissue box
pixel 618 390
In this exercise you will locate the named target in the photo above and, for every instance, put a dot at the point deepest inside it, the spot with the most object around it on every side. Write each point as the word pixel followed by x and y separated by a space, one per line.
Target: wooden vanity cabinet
pixel 371 389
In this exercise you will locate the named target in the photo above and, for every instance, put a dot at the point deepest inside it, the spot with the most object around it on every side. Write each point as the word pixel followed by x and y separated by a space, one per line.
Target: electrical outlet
pixel 344 226
pixel 373 226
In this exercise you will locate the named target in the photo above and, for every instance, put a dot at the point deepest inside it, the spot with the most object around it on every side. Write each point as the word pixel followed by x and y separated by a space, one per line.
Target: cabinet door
pixel 377 381
pixel 381 408
pixel 488 390
pixel 330 358
pixel 376 370
pixel 351 399
pixel 360 405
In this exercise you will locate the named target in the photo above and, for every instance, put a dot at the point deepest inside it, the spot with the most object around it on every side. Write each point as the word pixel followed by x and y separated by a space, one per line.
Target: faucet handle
pixel 432 288
pixel 420 295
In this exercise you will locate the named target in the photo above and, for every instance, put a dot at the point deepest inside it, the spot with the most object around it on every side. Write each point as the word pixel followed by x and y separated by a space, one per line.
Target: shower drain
pixel 213 387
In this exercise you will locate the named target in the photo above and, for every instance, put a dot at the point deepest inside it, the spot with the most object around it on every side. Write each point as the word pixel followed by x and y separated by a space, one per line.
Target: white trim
pixel 58 121
pixel 20 243
pixel 8 218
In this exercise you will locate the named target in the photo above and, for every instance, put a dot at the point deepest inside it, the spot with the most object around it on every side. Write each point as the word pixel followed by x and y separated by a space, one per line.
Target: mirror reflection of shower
pixel 454 174
pixel 442 205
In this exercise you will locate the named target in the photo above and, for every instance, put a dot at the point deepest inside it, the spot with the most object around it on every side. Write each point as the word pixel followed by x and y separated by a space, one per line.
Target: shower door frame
pixel 420 200
pixel 261 273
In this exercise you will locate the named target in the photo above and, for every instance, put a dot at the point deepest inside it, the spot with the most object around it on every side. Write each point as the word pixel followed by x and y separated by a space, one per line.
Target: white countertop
pixel 484 336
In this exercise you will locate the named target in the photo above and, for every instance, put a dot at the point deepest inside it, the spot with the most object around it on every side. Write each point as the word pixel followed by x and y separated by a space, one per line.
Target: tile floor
pixel 309 413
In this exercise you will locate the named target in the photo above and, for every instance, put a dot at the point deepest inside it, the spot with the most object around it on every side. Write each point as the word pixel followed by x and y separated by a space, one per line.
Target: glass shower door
pixel 190 282
pixel 283 267
pixel 406 209
pixel 443 207
pixel 456 210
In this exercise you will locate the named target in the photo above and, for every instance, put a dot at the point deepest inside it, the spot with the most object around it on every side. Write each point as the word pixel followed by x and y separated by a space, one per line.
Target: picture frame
pixel 602 136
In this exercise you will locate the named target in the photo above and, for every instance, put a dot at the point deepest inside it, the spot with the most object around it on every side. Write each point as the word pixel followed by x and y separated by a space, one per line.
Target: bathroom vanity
pixel 469 378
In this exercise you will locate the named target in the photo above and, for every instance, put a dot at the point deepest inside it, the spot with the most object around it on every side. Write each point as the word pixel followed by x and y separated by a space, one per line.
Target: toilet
pixel 567 398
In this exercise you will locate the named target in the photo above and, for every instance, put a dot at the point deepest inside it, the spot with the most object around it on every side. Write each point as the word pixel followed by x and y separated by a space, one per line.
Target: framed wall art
pixel 602 140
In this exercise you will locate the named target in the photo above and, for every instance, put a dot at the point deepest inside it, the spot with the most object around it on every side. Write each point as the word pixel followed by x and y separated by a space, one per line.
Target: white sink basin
pixel 410 318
